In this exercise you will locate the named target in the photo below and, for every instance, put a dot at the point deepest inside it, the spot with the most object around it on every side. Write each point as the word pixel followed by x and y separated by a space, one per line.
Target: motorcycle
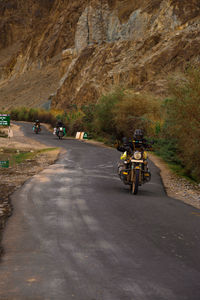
pixel 134 171
pixel 36 128
pixel 60 132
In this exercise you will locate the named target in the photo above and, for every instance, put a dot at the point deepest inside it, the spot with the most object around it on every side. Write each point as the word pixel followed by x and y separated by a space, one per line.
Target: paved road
pixel 78 234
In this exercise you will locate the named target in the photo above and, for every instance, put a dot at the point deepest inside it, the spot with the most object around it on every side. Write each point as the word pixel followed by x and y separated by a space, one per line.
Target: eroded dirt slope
pixel 79 49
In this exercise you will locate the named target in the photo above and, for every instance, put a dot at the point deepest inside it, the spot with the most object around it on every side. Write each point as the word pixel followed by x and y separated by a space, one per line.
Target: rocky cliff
pixel 77 50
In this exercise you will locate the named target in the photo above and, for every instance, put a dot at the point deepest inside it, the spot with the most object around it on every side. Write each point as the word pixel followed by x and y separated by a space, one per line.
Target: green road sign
pixel 4 120
pixel 4 163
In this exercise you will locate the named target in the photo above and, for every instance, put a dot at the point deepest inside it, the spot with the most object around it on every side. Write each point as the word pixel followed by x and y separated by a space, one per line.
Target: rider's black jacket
pixel 127 145
pixel 130 146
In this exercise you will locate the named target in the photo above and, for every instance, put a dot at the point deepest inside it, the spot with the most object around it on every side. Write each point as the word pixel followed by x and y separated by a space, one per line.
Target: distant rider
pixel 37 123
pixel 58 125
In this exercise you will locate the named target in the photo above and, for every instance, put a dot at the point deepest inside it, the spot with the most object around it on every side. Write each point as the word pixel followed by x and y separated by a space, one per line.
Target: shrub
pixel 104 112
pixel 89 116
pixel 14 114
pixel 73 121
pixel 33 114
pixel 183 118
pixel 136 111
pixel 167 149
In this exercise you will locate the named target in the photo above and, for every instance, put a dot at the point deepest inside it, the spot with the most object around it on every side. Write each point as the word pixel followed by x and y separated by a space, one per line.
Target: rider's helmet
pixel 138 134
pixel 59 123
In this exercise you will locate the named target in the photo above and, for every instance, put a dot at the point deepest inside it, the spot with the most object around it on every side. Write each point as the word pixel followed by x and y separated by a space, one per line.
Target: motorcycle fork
pixel 140 174
pixel 132 173
pixel 133 168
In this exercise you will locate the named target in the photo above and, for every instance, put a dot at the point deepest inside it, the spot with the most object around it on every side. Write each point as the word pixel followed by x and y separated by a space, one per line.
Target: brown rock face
pixel 79 49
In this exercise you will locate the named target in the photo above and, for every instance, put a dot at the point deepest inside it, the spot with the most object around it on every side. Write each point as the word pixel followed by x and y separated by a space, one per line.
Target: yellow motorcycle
pixel 134 171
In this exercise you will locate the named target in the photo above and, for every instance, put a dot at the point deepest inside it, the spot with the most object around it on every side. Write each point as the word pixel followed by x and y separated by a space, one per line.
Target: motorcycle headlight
pixel 137 155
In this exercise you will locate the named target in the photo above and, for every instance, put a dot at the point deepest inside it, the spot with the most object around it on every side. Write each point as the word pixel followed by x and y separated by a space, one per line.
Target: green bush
pixel 182 119
pixel 89 116
pixel 167 149
pixel 104 112
pixel 32 114
pixel 136 110
pixel 73 121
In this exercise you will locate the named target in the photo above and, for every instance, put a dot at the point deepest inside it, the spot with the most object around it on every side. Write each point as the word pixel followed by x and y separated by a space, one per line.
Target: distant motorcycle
pixel 134 171
pixel 60 132
pixel 36 128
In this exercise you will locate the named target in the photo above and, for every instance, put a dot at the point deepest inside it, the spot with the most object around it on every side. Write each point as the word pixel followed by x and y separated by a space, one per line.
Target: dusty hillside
pixel 79 49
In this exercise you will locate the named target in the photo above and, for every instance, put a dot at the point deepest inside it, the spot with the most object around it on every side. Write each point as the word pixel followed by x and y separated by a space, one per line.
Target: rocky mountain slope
pixel 73 51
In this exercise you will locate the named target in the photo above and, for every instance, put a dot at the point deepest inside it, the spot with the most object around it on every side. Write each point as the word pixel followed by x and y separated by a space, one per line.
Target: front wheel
pixel 135 183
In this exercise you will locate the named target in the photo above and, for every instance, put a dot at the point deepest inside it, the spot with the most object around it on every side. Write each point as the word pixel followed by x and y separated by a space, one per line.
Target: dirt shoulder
pixel 13 177
pixel 177 187
pixel 19 141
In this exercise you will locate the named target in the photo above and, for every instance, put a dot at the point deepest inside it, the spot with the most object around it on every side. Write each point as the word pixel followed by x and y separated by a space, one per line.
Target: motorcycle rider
pixel 139 143
pixel 127 145
pixel 37 123
pixel 60 124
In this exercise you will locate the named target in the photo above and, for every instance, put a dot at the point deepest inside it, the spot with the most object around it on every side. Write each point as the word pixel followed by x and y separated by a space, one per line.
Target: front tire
pixel 60 135
pixel 135 184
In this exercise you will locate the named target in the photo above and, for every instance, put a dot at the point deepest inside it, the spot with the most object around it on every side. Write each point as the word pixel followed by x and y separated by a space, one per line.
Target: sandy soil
pixel 19 141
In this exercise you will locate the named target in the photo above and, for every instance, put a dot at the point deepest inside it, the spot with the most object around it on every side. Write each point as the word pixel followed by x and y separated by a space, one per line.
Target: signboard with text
pixel 4 120
pixel 4 163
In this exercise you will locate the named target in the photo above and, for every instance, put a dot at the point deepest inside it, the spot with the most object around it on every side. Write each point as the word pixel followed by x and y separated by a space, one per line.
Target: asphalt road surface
pixel 78 234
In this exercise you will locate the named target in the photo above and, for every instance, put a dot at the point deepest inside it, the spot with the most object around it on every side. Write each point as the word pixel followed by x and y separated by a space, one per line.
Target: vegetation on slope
pixel 181 128
pixel 173 123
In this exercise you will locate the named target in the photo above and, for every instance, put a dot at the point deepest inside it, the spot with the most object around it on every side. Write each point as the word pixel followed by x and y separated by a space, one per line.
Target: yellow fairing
pixel 124 156
pixel 145 155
